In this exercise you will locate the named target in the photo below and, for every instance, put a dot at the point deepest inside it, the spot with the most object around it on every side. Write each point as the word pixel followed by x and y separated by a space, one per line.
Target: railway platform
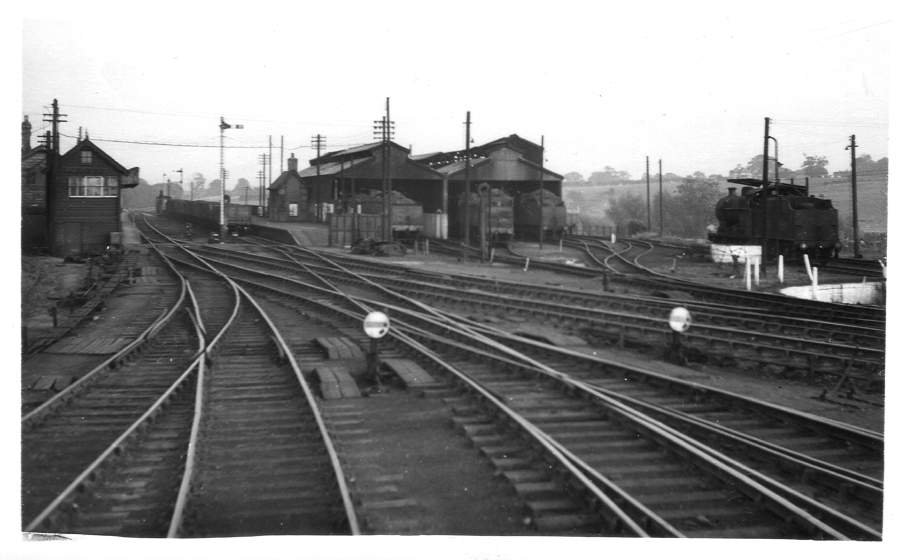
pixel 308 234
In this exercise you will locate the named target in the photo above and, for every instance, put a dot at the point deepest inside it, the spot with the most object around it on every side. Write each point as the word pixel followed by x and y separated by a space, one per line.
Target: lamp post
pixel 222 126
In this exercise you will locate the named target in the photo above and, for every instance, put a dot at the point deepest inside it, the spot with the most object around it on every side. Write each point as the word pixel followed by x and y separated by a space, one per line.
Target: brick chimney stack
pixel 292 163
pixel 26 135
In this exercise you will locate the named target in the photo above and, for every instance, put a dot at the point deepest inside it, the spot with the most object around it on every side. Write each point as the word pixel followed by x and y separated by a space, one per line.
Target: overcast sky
pixel 689 83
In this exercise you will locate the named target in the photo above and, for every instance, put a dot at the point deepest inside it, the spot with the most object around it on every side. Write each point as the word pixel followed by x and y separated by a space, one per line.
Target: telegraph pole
pixel 648 192
pixel 660 201
pixel 52 155
pixel 270 159
pixel 318 141
pixel 765 199
pixel 390 211
pixel 852 147
pixel 384 130
pixel 465 207
pixel 541 198
pixel 281 162
pixel 261 178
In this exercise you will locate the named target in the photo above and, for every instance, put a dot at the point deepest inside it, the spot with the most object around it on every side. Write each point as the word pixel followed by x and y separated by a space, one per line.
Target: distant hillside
pixel 871 196
pixel 592 201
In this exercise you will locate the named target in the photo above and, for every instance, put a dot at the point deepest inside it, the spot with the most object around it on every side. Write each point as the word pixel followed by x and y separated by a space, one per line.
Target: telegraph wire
pixel 180 145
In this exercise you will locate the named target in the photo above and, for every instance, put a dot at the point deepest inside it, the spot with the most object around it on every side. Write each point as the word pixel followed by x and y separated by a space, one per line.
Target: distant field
pixel 871 195
pixel 871 198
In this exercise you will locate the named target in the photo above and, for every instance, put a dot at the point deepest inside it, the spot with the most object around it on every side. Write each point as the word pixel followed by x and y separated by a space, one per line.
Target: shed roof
pixel 334 167
pixel 458 166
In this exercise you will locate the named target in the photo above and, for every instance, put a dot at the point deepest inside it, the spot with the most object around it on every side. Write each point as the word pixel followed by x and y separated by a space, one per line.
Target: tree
pixel 691 208
pixel 755 167
pixel 627 208
pixel 814 166
pixel 608 176
pixel 738 172
pixel 199 182
pixel 214 188
pixel 574 177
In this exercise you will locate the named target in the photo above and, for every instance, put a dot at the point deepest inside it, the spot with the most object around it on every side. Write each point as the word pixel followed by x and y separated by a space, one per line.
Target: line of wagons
pixel 505 216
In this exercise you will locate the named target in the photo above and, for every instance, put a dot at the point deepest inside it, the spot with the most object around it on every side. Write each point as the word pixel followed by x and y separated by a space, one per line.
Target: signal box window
pixel 93 187
pixel 86 157
pixel 292 210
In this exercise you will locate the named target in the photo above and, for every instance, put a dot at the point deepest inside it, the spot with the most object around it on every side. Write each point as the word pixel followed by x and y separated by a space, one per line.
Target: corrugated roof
pixel 333 168
pixel 420 157
pixel 457 166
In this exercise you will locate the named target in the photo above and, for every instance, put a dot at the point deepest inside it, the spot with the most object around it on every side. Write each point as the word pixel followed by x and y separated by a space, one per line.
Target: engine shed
pixel 510 163
pixel 337 182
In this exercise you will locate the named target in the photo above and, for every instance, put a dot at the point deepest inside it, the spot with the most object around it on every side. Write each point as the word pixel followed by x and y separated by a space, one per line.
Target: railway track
pixel 132 487
pixel 862 315
pixel 497 388
pixel 728 343
pixel 64 436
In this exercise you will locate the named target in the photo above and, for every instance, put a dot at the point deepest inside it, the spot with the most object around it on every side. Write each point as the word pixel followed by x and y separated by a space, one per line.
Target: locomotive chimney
pixel 731 191
pixel 292 163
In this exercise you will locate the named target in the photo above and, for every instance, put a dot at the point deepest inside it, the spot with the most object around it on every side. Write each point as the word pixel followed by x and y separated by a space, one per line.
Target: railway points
pixel 516 363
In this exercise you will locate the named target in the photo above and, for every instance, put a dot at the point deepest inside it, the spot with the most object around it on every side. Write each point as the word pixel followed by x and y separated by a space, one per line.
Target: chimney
pixel 292 163
pixel 26 135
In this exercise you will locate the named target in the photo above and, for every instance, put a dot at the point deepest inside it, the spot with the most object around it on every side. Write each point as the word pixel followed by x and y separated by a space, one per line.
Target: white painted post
pixel 492 255
pixel 756 271
pixel 612 238
pixel 815 283
pixel 527 262
pixel 781 269
pixel 747 271
pixel 808 269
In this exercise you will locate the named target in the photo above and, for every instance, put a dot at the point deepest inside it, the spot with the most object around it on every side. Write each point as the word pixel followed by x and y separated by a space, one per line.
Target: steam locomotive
pixel 784 217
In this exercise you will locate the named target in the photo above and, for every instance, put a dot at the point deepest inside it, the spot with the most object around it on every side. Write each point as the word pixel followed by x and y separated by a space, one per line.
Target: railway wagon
pixel 792 222
pixel 406 213
pixel 205 212
pixel 497 211
pixel 528 213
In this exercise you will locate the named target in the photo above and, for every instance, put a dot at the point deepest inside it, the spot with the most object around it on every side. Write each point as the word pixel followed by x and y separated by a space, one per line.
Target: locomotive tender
pixel 789 220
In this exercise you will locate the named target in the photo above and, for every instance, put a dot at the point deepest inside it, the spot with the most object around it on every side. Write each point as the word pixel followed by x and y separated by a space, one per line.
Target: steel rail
pixel 334 460
pixel 625 520
pixel 723 313
pixel 773 497
pixel 82 382
pixel 117 447
pixel 779 345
